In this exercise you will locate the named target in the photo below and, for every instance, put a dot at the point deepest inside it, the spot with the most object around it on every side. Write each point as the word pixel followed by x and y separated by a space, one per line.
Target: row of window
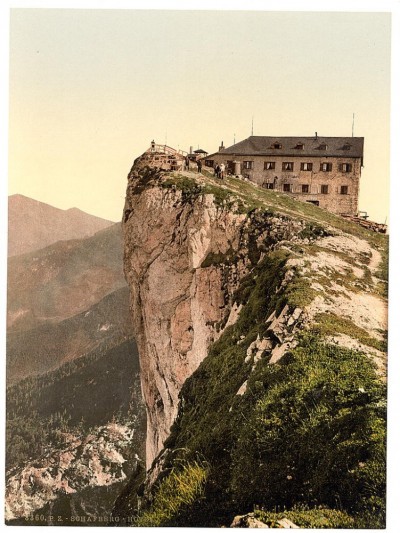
pixel 289 166
pixel 300 146
pixel 305 189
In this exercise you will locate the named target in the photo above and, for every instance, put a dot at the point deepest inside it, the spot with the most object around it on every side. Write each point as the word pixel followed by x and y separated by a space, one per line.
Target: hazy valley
pixel 72 370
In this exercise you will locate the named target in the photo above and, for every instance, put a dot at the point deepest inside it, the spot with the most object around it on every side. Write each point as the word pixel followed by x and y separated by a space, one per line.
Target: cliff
pixel 237 292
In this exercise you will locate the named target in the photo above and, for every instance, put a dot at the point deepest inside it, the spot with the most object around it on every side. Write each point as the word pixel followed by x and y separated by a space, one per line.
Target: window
pixel 344 189
pixel 248 165
pixel 323 146
pixel 306 166
pixel 287 187
pixel 345 167
pixel 347 146
pixel 209 163
pixel 299 146
pixel 324 189
pixel 325 167
pixel 277 146
pixel 269 165
pixel 287 166
pixel 305 189
pixel 268 185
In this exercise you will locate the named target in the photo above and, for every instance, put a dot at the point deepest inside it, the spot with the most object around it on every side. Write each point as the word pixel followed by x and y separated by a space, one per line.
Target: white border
pixel 392 6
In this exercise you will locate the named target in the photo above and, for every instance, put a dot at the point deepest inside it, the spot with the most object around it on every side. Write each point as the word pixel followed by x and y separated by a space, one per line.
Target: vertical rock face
pixel 188 246
pixel 178 295
pixel 305 293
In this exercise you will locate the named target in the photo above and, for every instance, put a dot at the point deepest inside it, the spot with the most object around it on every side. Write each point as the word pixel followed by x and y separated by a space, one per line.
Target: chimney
pixel 222 147
pixel 191 150
pixel 316 135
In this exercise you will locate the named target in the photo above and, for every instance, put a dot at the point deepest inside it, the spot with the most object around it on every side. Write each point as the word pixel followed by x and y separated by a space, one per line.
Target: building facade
pixel 325 171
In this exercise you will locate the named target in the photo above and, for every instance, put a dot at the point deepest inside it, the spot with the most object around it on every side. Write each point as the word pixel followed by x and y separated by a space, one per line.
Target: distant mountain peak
pixel 33 224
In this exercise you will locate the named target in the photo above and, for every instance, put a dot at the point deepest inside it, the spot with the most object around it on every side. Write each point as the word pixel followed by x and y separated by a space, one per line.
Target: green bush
pixel 189 187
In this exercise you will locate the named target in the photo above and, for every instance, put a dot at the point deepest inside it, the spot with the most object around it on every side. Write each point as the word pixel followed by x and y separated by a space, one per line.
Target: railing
pixel 164 149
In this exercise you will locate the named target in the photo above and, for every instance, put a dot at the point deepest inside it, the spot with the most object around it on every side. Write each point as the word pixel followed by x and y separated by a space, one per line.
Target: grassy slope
pixel 253 196
pixel 309 432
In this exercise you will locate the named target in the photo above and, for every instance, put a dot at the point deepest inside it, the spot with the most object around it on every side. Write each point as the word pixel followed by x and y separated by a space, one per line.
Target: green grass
pixel 330 324
pixel 254 197
pixel 316 435
pixel 308 435
pixel 189 187
pixel 288 205
pixel 308 431
pixel 299 293
pixel 182 487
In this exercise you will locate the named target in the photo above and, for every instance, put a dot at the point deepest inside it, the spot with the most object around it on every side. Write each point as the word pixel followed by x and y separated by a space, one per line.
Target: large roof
pixel 298 146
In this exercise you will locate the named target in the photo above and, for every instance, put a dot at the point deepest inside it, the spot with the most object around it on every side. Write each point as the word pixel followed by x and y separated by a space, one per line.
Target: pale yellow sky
pixel 89 90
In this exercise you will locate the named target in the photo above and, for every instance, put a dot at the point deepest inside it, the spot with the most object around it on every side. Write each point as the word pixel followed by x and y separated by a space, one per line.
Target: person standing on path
pixel 222 170
pixel 187 163
pixel 199 166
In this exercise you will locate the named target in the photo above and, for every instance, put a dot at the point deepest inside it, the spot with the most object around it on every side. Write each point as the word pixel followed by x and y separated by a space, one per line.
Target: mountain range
pixel 34 225
pixel 72 361
pixel 63 279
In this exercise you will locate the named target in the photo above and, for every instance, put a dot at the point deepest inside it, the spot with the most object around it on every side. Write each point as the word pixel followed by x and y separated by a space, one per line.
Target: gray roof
pixel 312 146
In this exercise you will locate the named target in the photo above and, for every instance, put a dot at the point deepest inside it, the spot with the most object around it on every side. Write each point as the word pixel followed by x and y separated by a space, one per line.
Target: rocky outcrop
pixel 250 521
pixel 97 460
pixel 186 251
pixel 250 274
pixel 184 258
pixel 175 302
